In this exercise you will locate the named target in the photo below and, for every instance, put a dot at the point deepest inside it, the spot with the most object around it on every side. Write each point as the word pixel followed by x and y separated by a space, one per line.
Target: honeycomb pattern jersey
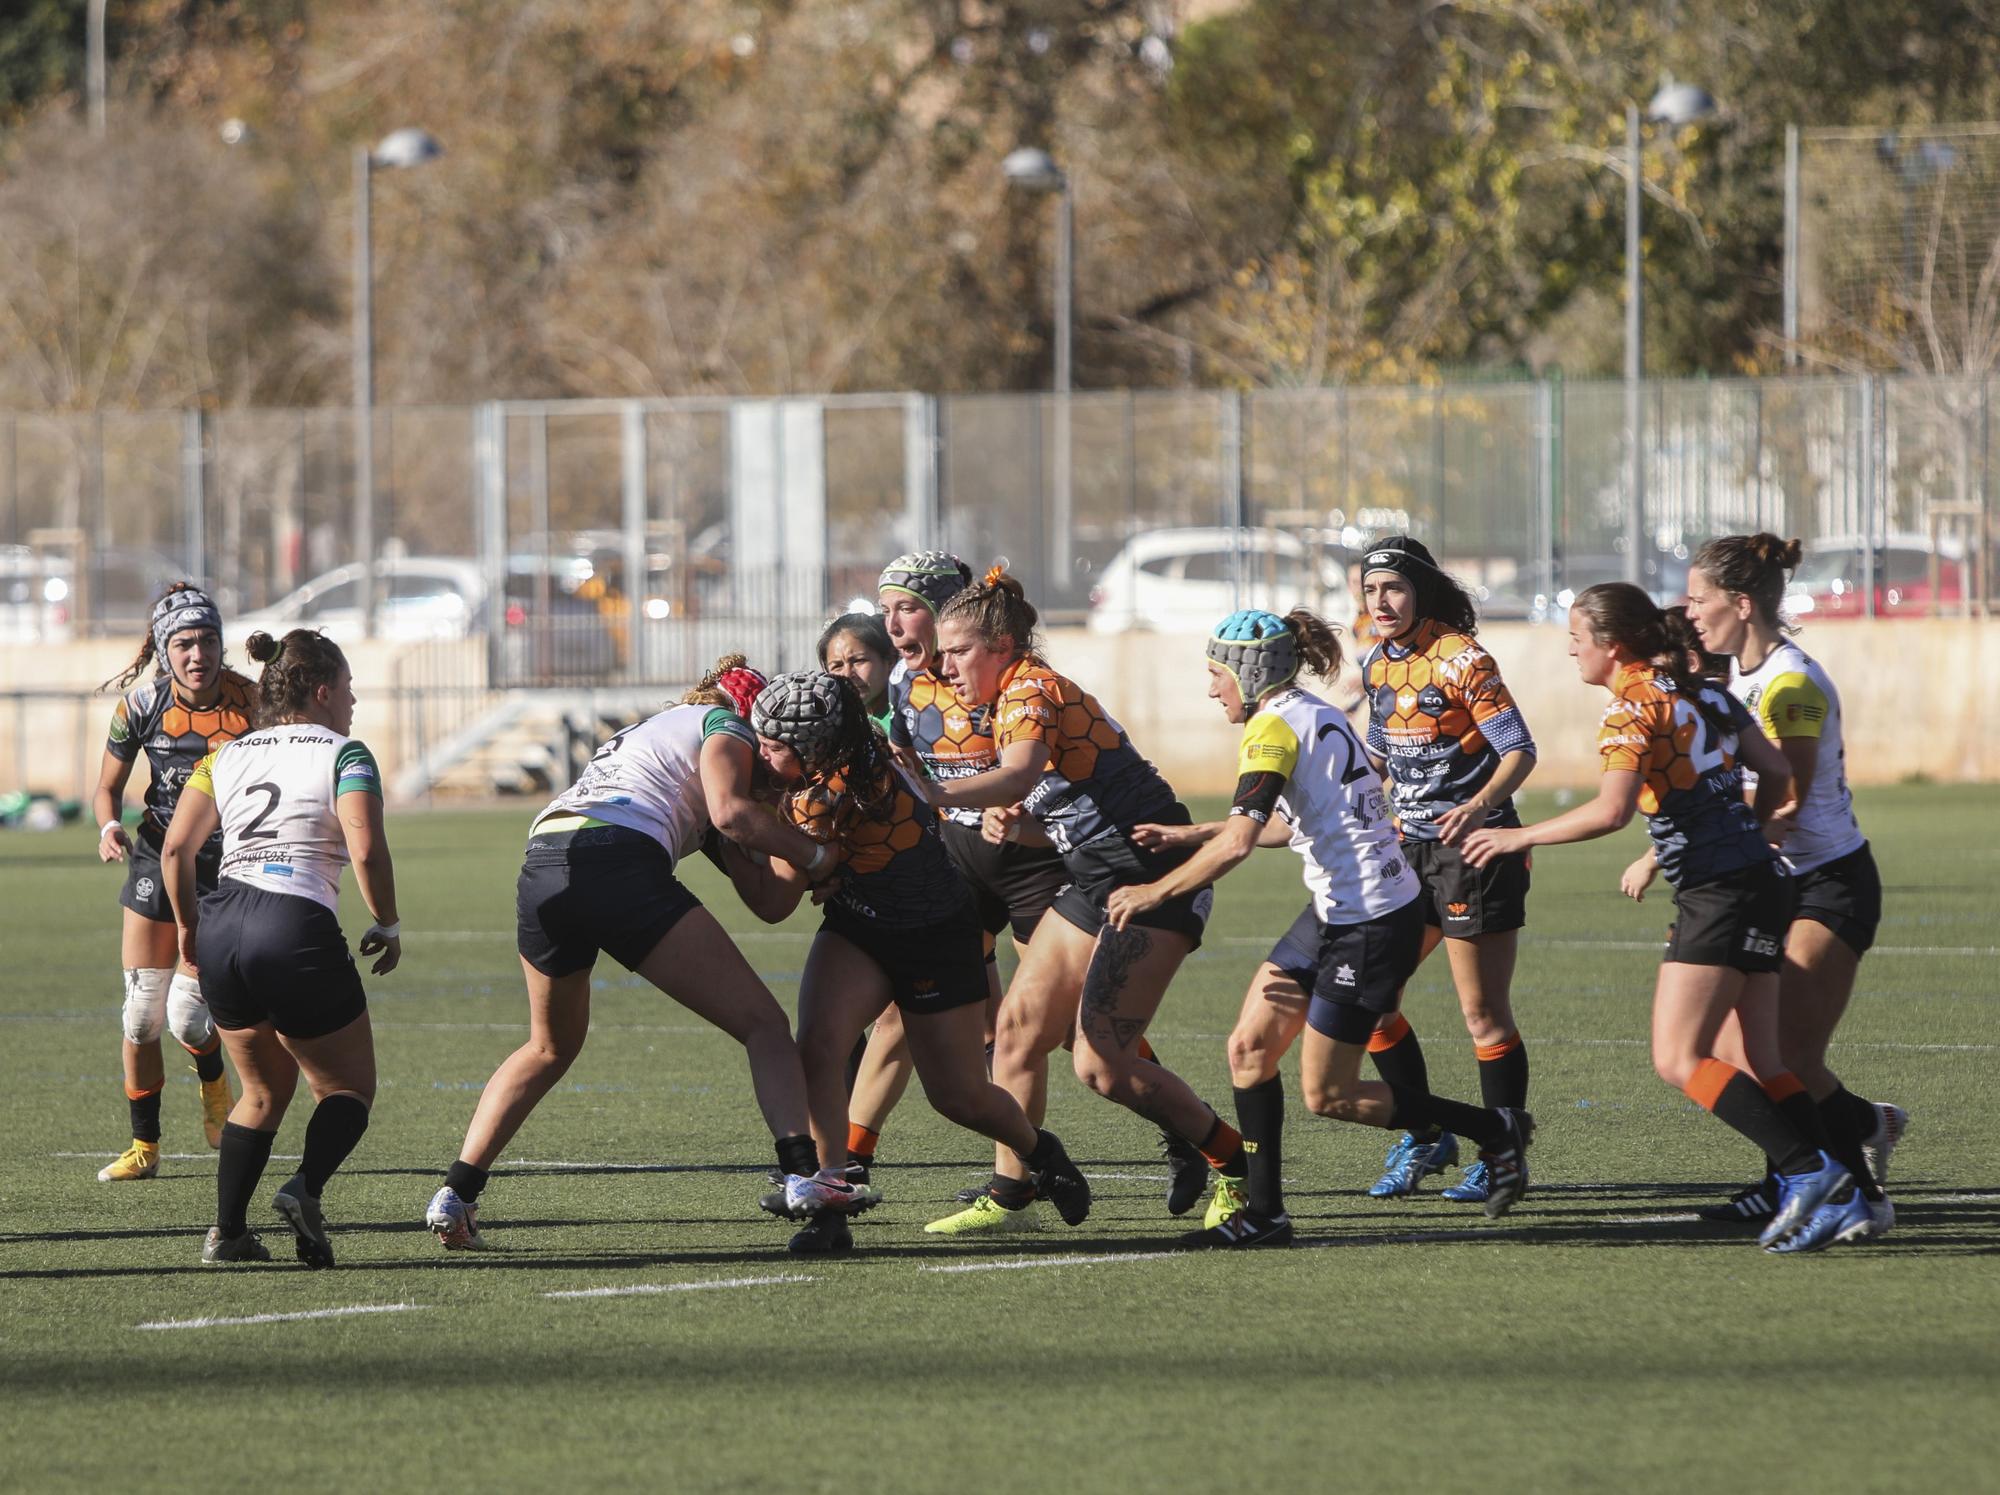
pixel 893 865
pixel 1441 717
pixel 953 740
pixel 1690 789
pixel 151 717
pixel 1095 783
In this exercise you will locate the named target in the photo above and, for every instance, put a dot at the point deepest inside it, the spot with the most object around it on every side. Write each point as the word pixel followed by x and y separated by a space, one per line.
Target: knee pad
pixel 187 1014
pixel 145 1002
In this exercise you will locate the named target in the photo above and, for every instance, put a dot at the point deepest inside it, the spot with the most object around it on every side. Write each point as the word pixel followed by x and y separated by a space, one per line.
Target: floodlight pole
pixel 1061 519
pixel 1635 354
pixel 93 64
pixel 364 388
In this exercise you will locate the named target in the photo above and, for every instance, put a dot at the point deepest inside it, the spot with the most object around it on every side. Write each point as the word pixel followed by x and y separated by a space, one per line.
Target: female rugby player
pixel 188 705
pixel 1735 589
pixel 295 801
pixel 856 647
pixel 1067 774
pixel 599 874
pixel 1456 750
pixel 1341 967
pixel 900 929
pixel 1670 746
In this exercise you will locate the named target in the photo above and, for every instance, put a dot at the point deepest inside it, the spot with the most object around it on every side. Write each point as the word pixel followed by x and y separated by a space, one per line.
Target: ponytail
pixel 1754 566
pixel 1317 641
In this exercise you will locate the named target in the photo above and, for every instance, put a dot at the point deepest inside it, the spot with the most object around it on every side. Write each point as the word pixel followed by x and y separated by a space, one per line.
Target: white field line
pixel 177 1157
pixel 1055 1261
pixel 280 1318
pixel 645 1289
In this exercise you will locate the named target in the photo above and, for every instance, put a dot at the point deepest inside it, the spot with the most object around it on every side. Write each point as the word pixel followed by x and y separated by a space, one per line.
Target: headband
pixel 1258 648
pixel 1405 557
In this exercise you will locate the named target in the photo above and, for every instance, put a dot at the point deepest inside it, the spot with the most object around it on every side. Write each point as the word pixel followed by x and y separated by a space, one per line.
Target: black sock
pixel 989 1060
pixel 1864 1118
pixel 1504 1081
pixel 1047 1149
pixel 208 1067
pixel 466 1181
pixel 1260 1116
pixel 336 1126
pixel 241 1164
pixel 1745 1107
pixel 145 1115
pixel 1230 1164
pixel 1843 1140
pixel 797 1154
pixel 1420 1112
pixel 1011 1193
pixel 1402 1063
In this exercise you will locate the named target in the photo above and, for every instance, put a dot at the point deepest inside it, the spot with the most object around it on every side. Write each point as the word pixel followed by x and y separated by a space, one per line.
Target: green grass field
pixel 1598 1338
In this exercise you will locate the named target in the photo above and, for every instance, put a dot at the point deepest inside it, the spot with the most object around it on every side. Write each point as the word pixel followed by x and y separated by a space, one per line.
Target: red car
pixel 1909 581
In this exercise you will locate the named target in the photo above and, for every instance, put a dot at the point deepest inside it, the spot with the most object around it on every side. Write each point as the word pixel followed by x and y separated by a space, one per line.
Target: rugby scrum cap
pixel 741 685
pixel 803 711
pixel 179 611
pixel 1258 648
pixel 933 577
pixel 1402 555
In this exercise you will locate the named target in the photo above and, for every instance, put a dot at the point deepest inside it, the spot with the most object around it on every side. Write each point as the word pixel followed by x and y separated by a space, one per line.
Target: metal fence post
pixel 1870 476
pixel 632 453
pixel 194 496
pixel 1231 422
pixel 1545 487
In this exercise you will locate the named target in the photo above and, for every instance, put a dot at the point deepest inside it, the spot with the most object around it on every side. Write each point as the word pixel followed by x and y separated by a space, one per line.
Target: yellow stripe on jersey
pixel 203 778
pixel 1269 746
pixel 1792 706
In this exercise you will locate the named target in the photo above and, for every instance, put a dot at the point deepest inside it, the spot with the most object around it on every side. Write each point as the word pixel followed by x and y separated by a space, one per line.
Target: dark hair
pixel 1753 566
pixel 148 654
pixel 294 667
pixel 997 607
pixel 1439 597
pixel 1621 613
pixel 1318 642
pixel 1687 639
pixel 865 626
pixel 858 754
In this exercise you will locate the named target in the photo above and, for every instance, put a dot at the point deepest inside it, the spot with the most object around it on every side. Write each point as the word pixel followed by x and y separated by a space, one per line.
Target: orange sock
pixel 1387 1037
pixel 1782 1086
pixel 1490 1051
pixel 861 1141
pixel 1223 1148
pixel 1711 1077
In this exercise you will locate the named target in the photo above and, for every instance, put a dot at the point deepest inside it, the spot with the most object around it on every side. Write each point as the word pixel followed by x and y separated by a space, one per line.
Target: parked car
pixel 416 597
pixel 1829 582
pixel 34 597
pixel 1188 580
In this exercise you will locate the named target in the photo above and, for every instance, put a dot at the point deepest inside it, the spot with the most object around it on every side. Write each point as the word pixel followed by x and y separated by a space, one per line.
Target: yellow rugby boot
pixel 986 1216
pixel 215 1104
pixel 140 1160
pixel 1228 1199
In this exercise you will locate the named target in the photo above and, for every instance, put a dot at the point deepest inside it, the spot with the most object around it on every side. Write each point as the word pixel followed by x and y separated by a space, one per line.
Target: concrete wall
pixel 1917 693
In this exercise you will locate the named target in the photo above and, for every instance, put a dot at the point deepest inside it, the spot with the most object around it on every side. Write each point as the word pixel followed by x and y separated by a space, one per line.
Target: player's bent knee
pixel 187 1014
pixel 145 1002
pixel 1328 1100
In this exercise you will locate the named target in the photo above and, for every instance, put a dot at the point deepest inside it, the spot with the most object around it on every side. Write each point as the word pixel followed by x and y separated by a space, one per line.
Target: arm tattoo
pixel 1118 950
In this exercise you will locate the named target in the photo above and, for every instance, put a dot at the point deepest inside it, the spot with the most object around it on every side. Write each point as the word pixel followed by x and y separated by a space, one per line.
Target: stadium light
pixel 1676 104
pixel 1031 169
pixel 397 151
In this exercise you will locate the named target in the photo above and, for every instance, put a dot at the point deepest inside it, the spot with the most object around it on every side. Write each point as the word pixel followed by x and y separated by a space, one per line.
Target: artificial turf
pixel 1599 1337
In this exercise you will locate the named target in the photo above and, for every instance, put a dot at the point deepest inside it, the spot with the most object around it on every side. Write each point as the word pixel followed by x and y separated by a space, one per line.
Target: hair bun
pixel 1791 554
pixel 261 647
pixel 995 574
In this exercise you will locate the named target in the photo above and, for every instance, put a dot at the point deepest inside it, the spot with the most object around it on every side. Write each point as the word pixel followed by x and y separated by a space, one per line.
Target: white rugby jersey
pixel 1791 696
pixel 1340 818
pixel 648 777
pixel 275 790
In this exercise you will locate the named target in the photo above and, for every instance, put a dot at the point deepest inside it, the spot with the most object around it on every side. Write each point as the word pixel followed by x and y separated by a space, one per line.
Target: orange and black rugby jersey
pixel 955 741
pixel 893 865
pixel 1691 791
pixel 1095 783
pixel 1442 718
pixel 151 717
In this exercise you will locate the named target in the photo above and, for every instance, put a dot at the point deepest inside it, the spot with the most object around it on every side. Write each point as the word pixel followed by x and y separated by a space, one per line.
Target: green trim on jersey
pixel 354 771
pixel 724 719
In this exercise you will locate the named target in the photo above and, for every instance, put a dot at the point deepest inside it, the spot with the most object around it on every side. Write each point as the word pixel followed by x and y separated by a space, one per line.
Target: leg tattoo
pixel 1118 950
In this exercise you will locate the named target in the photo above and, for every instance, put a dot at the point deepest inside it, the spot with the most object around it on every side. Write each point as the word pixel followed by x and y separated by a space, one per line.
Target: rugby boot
pixel 1187 1173
pixel 1855 1219
pixel 140 1160
pixel 1243 1229
pixel 1746 1206
pixel 219 1249
pixel 1799 1194
pixel 1228 1199
pixel 1472 1186
pixel 825 1234
pixel 301 1211
pixel 1409 1160
pixel 986 1216
pixel 1507 1164
pixel 454 1222
pixel 1890 1124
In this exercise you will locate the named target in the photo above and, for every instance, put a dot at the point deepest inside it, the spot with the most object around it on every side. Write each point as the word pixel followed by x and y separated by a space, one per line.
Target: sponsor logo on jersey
pixel 1756 942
